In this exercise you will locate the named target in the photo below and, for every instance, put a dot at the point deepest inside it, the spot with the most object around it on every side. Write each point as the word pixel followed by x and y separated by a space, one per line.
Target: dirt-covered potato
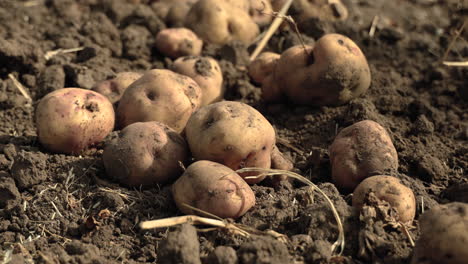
pixel 213 188
pixel 206 72
pixel 178 42
pixel 173 12
pixel 326 10
pixel 263 66
pixel 333 72
pixel 233 134
pixel 159 95
pixel 145 153
pixel 70 120
pixel 389 189
pixel 444 235
pixel 114 88
pixel 361 150
pixel 219 22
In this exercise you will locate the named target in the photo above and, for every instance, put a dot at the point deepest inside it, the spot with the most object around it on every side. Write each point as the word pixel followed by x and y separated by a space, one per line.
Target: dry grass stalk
pixel 20 87
pixel 271 30
pixel 340 242
pixel 454 40
pixel 56 52
pixel 456 63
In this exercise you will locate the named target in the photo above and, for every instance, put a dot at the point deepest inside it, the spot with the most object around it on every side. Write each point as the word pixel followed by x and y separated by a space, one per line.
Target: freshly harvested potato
pixel 159 95
pixel 263 66
pixel 206 72
pixel 173 12
pixel 389 189
pixel 327 10
pixel 70 120
pixel 233 134
pixel 333 72
pixel 178 42
pixel 114 88
pixel 444 235
pixel 213 188
pixel 261 11
pixel 361 150
pixel 145 153
pixel 219 22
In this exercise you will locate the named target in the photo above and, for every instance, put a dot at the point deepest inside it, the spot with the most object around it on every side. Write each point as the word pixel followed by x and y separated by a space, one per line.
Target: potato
pixel 218 22
pixel 233 134
pixel 114 88
pixel 261 11
pixel 70 120
pixel 263 66
pixel 444 235
pixel 389 189
pixel 213 188
pixel 145 153
pixel 361 150
pixel 327 10
pixel 178 42
pixel 160 95
pixel 333 72
pixel 173 12
pixel 206 72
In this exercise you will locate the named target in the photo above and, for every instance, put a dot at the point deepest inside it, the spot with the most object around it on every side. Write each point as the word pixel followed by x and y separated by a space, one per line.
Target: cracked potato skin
pixel 144 154
pixel 231 133
pixel 160 95
pixel 389 189
pixel 213 188
pixel 70 120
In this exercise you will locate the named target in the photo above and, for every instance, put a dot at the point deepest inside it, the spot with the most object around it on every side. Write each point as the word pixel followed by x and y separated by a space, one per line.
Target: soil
pixel 57 208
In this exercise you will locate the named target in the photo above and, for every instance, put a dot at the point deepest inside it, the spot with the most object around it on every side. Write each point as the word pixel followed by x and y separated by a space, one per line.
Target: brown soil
pixel 63 209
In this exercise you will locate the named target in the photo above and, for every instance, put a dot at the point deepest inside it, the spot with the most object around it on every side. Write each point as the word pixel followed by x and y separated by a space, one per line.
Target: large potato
pixel 261 11
pixel 213 188
pixel 233 134
pixel 114 88
pixel 159 95
pixel 389 189
pixel 219 22
pixel 178 42
pixel 145 153
pixel 333 72
pixel 361 150
pixel 70 120
pixel 444 235
pixel 206 72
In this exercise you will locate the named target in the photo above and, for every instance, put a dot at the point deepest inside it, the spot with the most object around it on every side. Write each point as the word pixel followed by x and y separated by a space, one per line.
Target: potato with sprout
pixel 213 188
pixel 160 95
pixel 206 72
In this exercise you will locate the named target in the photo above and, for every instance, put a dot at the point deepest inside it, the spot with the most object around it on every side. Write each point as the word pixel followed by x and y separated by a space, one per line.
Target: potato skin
pixel 213 188
pixel 145 153
pixel 70 120
pixel 206 72
pixel 333 72
pixel 115 87
pixel 233 134
pixel 178 42
pixel 159 95
pixel 444 235
pixel 219 22
pixel 263 66
pixel 359 151
pixel 389 189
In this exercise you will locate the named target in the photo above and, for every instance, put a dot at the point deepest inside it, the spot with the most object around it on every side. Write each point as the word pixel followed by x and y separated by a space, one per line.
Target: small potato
pixel 361 150
pixel 326 10
pixel 114 88
pixel 70 120
pixel 333 72
pixel 145 153
pixel 444 235
pixel 263 66
pixel 206 72
pixel 160 95
pixel 178 42
pixel 219 22
pixel 389 189
pixel 233 134
pixel 213 188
